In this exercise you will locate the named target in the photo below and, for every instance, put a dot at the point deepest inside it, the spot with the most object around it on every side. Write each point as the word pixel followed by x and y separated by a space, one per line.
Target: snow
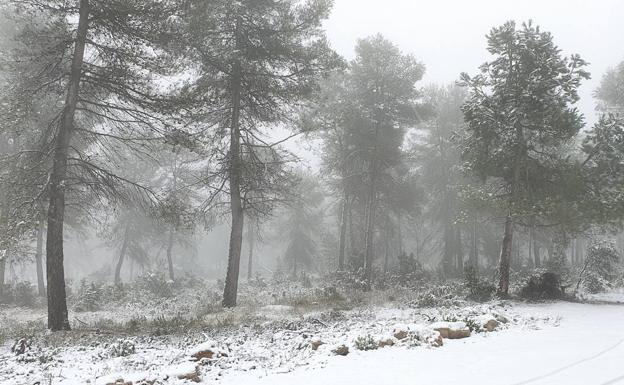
pixel 585 348
pixel 552 343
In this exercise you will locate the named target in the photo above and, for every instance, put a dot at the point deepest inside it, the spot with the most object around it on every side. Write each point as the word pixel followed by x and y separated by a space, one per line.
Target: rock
pixel 207 351
pixel 501 318
pixel 341 350
pixel 198 355
pixel 455 334
pixel 315 344
pixel 491 325
pixel 438 341
pixel 444 331
pixel 385 342
pixel 400 334
pixel 120 381
pixel 487 322
pixel 452 330
pixel 192 375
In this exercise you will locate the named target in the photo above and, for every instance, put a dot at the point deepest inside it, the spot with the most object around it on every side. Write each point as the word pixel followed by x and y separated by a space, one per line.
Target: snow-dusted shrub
pixel 21 294
pixel 88 297
pixel 543 286
pixel 349 279
pixel 422 337
pixel 435 294
pixel 601 268
pixel 366 342
pixel 410 269
pixel 121 348
pixel 479 289
pixel 156 283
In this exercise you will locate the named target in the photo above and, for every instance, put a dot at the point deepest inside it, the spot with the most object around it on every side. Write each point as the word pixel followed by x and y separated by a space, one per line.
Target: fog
pixel 448 35
pixel 247 191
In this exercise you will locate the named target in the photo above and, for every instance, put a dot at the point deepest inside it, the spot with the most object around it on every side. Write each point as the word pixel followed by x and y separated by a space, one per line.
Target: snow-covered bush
pixel 601 268
pixel 542 286
pixel 156 283
pixel 121 348
pixel 366 342
pixel 89 297
pixel 410 269
pixel 436 294
pixel 20 294
pixel 479 289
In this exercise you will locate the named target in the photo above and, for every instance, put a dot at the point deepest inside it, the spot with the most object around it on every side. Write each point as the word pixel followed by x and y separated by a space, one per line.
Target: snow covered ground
pixel 552 343
pixel 585 348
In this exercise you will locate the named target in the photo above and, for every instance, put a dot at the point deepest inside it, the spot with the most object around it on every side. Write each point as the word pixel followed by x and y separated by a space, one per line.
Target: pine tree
pixel 519 115
pixel 105 73
pixel 259 59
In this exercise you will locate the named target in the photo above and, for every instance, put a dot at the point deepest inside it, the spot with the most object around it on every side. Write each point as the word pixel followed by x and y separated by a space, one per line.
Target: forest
pixel 207 191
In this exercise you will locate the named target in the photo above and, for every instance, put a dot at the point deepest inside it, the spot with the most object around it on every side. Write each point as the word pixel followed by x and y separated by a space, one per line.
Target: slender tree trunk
pixel 236 206
pixel 530 248
pixel 169 253
pixel 400 232
pixel 57 299
pixel 39 259
pixel 506 249
pixel 250 239
pixel 536 254
pixel 352 239
pixel 343 234
pixel 387 237
pixel 474 250
pixel 459 250
pixel 370 228
pixel 505 258
pixel 2 274
pixel 447 262
pixel 122 255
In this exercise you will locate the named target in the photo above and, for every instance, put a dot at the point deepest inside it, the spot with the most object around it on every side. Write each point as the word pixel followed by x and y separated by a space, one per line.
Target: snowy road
pixel 587 348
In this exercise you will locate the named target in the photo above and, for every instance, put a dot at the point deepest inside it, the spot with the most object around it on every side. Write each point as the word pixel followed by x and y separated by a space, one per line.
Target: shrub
pixel 20 294
pixel 543 286
pixel 156 284
pixel 89 297
pixel 601 267
pixel 121 348
pixel 479 289
pixel 366 342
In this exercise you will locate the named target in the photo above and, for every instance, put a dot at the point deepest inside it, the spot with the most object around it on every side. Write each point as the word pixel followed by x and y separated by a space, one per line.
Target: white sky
pixel 448 36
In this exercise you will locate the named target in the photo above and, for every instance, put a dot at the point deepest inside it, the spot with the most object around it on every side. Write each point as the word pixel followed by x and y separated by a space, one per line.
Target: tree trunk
pixel 459 250
pixel 250 239
pixel 122 255
pixel 505 258
pixel 400 233
pixel 352 246
pixel 474 250
pixel 447 262
pixel 530 262
pixel 236 235
pixel 536 254
pixel 57 298
pixel 387 237
pixel 169 253
pixel 39 259
pixel 343 234
pixel 370 229
pixel 2 273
